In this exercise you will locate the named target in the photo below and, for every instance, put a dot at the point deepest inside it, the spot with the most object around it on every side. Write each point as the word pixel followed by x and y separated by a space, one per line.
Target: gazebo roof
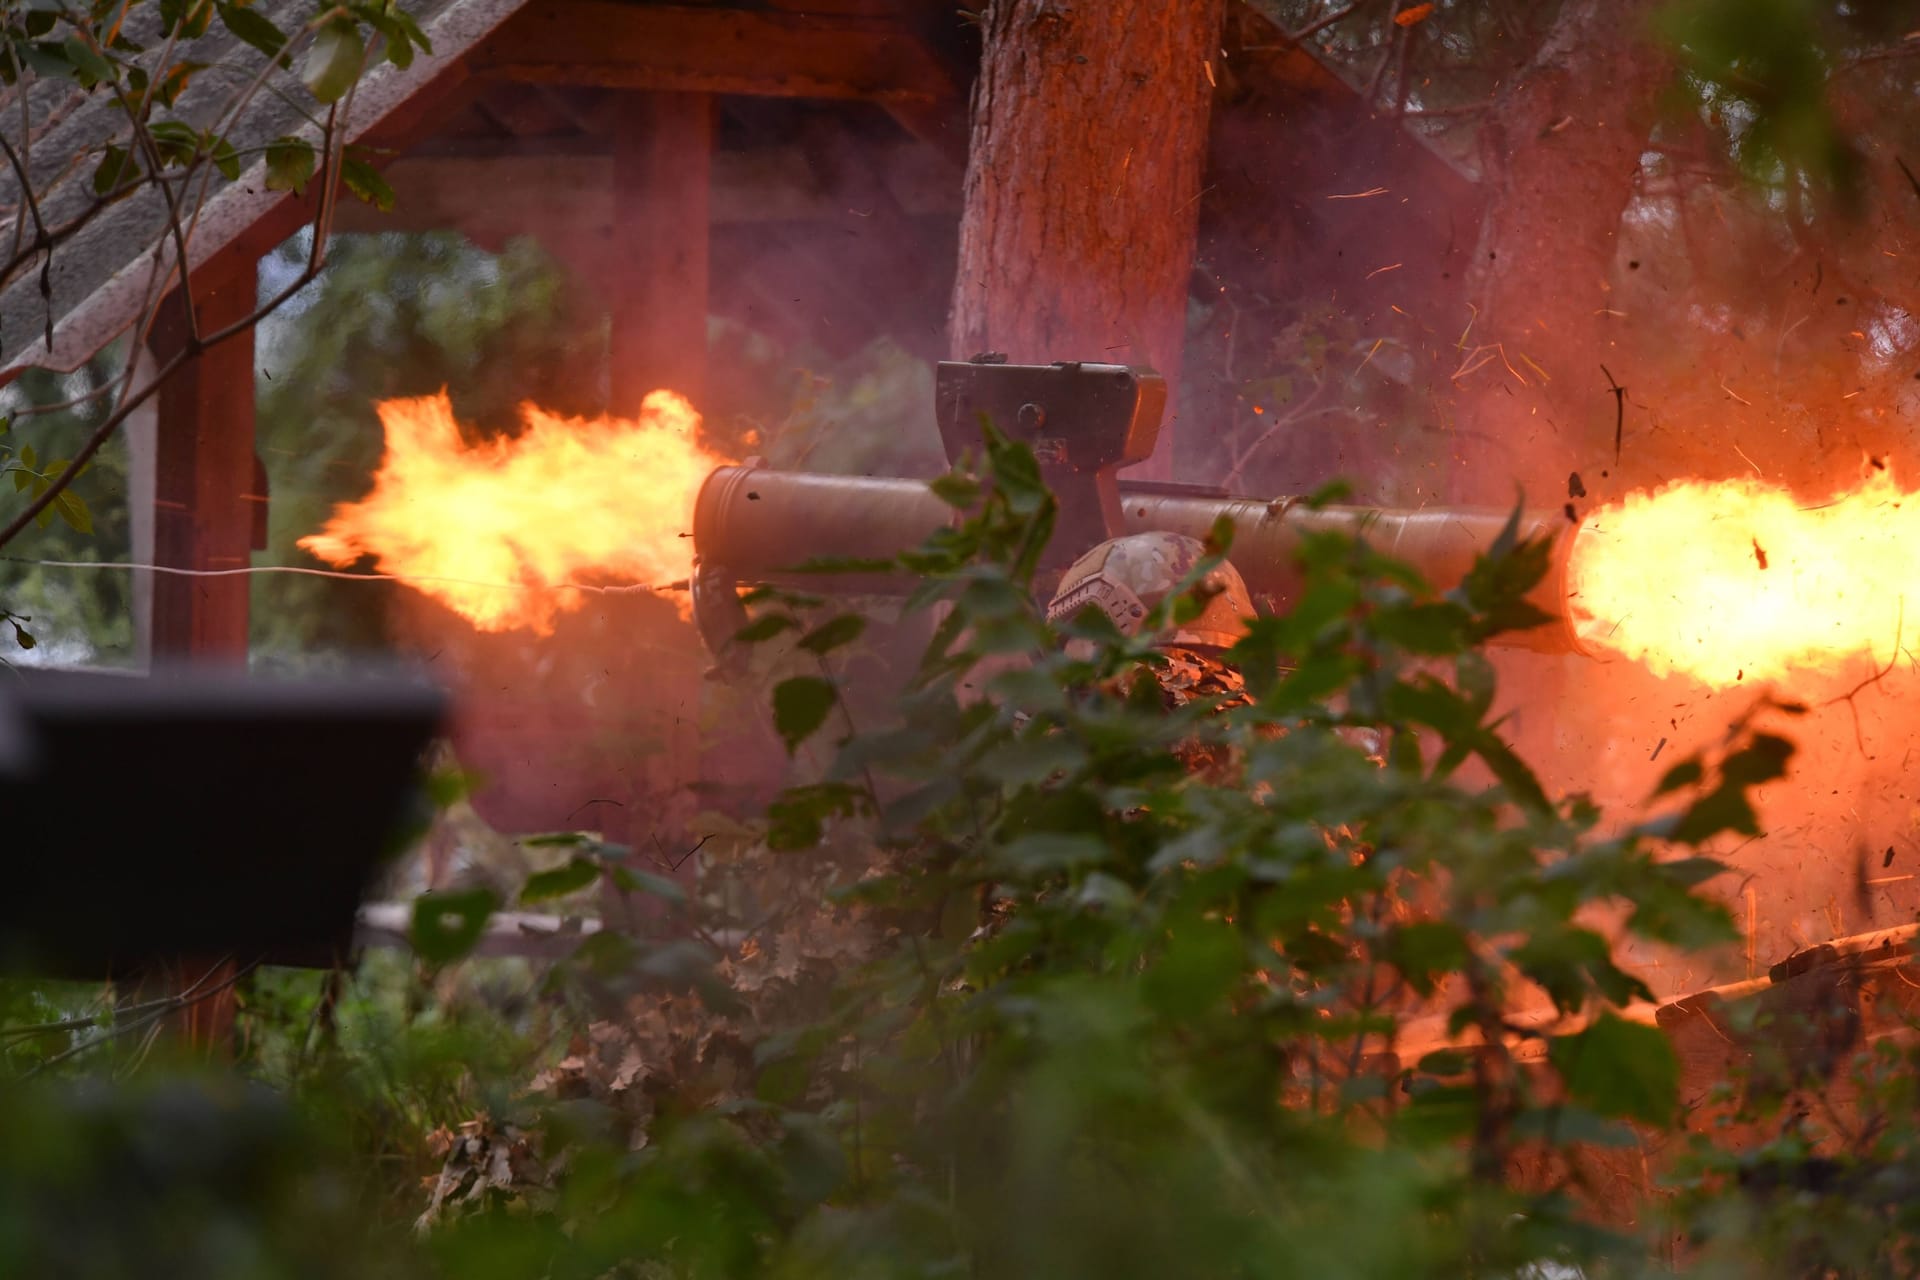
pixel 102 278
pixel 105 276
pixel 531 59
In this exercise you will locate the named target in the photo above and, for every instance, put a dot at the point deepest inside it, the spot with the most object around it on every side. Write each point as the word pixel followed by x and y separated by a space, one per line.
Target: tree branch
pixel 42 243
pixel 160 1010
pixel 333 150
pixel 129 403
pixel 1315 28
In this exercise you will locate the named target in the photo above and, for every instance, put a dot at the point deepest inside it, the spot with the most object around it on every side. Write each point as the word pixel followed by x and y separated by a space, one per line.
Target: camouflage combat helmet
pixel 1125 578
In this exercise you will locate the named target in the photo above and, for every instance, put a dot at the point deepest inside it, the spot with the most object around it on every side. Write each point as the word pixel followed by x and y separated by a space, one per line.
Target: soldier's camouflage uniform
pixel 1126 578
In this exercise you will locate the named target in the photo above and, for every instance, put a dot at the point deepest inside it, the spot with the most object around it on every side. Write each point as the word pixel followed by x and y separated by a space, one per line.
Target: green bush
pixel 1051 974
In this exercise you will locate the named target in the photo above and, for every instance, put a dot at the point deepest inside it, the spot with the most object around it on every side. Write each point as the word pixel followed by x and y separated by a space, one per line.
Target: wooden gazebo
pixel 621 134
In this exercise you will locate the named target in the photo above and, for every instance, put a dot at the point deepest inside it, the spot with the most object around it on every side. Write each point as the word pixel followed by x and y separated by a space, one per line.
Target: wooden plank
pixel 426 110
pixel 679 48
pixel 204 476
pixel 562 191
pixel 204 472
pixel 662 162
pixel 523 111
pixel 942 124
pixel 657 289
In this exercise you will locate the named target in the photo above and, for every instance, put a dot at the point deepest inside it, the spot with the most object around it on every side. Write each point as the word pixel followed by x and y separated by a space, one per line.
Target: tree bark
pixel 1083 184
pixel 1563 148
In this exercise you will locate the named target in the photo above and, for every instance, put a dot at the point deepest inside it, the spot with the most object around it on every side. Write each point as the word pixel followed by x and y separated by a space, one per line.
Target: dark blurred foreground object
pixel 161 1175
pixel 198 812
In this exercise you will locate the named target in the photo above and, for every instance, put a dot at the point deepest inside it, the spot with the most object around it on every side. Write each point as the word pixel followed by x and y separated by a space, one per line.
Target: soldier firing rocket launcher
pixel 1084 422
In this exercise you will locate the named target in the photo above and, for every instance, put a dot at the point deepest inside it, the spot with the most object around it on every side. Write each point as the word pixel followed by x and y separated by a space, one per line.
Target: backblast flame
pixel 507 531
pixel 1735 580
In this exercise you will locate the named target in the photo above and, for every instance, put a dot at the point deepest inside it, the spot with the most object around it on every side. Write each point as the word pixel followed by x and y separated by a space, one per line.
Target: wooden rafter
pixel 568 189
pixel 680 48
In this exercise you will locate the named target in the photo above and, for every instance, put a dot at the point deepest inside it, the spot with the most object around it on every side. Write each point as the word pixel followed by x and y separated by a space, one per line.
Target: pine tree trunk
pixel 1083 183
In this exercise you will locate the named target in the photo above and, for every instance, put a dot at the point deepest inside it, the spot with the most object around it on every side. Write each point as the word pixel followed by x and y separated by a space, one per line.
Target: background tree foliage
pixel 75 616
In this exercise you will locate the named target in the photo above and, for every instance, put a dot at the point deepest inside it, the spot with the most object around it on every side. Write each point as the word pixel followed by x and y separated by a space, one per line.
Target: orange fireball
pixel 1735 580
pixel 506 532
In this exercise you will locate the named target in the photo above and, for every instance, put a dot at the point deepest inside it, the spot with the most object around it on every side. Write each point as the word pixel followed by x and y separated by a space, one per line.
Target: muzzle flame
pixel 508 531
pixel 1731 581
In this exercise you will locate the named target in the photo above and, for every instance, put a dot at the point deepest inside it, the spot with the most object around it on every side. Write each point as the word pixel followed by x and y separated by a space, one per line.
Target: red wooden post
pixel 206 502
pixel 657 291
pixel 662 178
pixel 205 490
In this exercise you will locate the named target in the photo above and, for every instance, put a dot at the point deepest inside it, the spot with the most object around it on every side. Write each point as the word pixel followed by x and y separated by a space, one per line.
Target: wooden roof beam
pixel 679 48
pixel 560 190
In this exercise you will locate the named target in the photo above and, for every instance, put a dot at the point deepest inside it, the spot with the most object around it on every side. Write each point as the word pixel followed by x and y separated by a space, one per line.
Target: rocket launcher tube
pixel 754 526
pixel 1441 543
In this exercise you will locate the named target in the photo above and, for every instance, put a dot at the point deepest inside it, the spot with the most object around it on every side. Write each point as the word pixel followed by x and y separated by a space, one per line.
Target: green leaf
pixel 412 29
pixel 765 628
pixel 628 880
pixel 560 840
pixel 1016 475
pixel 1045 852
pixel 175 82
pixel 558 883
pixel 1726 807
pixel 956 489
pixel 1685 774
pixel 800 707
pixel 1425 950
pixel 1564 1126
pixel 1691 872
pixel 90 67
pixel 190 17
pixel 1102 892
pixel 1665 911
pixel 1201 965
pixel 1328 494
pixel 225 158
pixel 333 61
pixel 1619 1068
pixel 45 58
pixel 1497 585
pixel 176 142
pixel 366 183
pixel 22 636
pixel 834 634
pixel 1437 1113
pixel 447 925
pixel 797 819
pixel 449 786
pixel 74 511
pixel 397 42
pixel 290 164
pixel 1438 628
pixel 253 27
pixel 1570 963
pixel 1444 1062
pixel 116 169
